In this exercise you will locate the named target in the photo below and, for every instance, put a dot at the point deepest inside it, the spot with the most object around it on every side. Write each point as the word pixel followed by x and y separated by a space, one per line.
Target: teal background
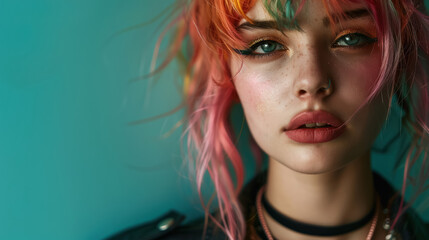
pixel 71 164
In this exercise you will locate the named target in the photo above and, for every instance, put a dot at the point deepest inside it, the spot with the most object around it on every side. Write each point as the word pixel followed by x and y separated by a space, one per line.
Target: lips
pixel 314 127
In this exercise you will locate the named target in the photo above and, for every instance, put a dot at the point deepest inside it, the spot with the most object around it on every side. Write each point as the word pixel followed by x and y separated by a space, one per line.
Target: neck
pixel 329 199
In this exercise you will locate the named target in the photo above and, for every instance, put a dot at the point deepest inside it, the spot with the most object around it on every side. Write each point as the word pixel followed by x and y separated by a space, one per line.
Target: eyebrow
pixel 352 14
pixel 271 24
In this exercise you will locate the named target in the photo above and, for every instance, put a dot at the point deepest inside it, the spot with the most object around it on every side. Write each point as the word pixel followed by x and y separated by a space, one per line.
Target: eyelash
pixel 367 40
pixel 250 52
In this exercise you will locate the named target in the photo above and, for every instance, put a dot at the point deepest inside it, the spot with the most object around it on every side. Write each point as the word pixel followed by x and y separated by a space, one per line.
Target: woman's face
pixel 301 89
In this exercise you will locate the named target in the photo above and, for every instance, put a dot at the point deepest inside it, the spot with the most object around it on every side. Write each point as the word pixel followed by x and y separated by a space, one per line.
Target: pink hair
pixel 403 36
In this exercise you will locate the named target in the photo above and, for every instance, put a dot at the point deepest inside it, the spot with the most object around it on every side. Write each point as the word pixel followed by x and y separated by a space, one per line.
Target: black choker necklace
pixel 315 230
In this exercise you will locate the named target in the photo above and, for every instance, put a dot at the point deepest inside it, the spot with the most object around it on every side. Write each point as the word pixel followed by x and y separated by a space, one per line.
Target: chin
pixel 315 161
pixel 313 167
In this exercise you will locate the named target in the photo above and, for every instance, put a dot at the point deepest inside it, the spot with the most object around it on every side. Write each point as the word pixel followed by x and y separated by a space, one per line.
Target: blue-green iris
pixel 354 39
pixel 268 46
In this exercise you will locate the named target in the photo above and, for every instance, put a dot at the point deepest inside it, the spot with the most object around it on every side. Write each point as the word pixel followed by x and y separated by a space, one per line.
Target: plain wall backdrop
pixel 71 164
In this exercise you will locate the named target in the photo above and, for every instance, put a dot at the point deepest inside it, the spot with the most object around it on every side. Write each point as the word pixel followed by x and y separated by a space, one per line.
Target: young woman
pixel 316 79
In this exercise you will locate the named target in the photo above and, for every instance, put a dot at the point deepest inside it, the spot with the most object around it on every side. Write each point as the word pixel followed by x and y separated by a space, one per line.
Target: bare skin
pixel 329 199
pixel 325 183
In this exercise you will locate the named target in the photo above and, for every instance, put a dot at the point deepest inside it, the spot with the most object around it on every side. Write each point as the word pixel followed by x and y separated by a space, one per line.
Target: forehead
pixel 309 9
pixel 258 12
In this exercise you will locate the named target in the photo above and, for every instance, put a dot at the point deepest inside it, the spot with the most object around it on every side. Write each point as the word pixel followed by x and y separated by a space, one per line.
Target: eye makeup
pixel 352 39
pixel 348 36
pixel 264 47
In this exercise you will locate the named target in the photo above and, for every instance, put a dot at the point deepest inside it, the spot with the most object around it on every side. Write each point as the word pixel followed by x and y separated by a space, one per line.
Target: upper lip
pixel 309 117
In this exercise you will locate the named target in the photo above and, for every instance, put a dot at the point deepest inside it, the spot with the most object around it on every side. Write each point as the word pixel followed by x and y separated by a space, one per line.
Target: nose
pixel 313 78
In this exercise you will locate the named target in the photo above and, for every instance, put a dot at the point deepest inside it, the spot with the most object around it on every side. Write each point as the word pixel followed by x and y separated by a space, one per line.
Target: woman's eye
pixel 265 47
pixel 353 40
pixel 262 48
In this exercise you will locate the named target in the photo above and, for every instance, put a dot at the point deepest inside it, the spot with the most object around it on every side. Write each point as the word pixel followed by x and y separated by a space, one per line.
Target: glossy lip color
pixel 314 135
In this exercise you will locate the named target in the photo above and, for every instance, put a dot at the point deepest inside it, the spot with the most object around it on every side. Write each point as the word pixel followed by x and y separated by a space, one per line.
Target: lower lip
pixel 314 135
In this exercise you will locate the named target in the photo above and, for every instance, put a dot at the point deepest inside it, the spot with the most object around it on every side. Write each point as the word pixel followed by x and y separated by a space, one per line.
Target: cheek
pixel 255 96
pixel 357 77
pixel 361 73
pixel 363 70
pixel 256 92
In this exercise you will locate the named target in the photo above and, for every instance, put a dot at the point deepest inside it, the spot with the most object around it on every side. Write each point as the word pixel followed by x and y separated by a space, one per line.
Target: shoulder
pixel 409 225
pixel 170 226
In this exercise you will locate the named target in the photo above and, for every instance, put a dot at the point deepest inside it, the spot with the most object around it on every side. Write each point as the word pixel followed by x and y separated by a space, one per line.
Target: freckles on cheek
pixel 257 95
pixel 265 99
pixel 255 87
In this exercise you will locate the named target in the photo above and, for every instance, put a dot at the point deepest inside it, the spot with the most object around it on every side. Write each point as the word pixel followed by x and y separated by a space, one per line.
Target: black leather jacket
pixel 169 226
